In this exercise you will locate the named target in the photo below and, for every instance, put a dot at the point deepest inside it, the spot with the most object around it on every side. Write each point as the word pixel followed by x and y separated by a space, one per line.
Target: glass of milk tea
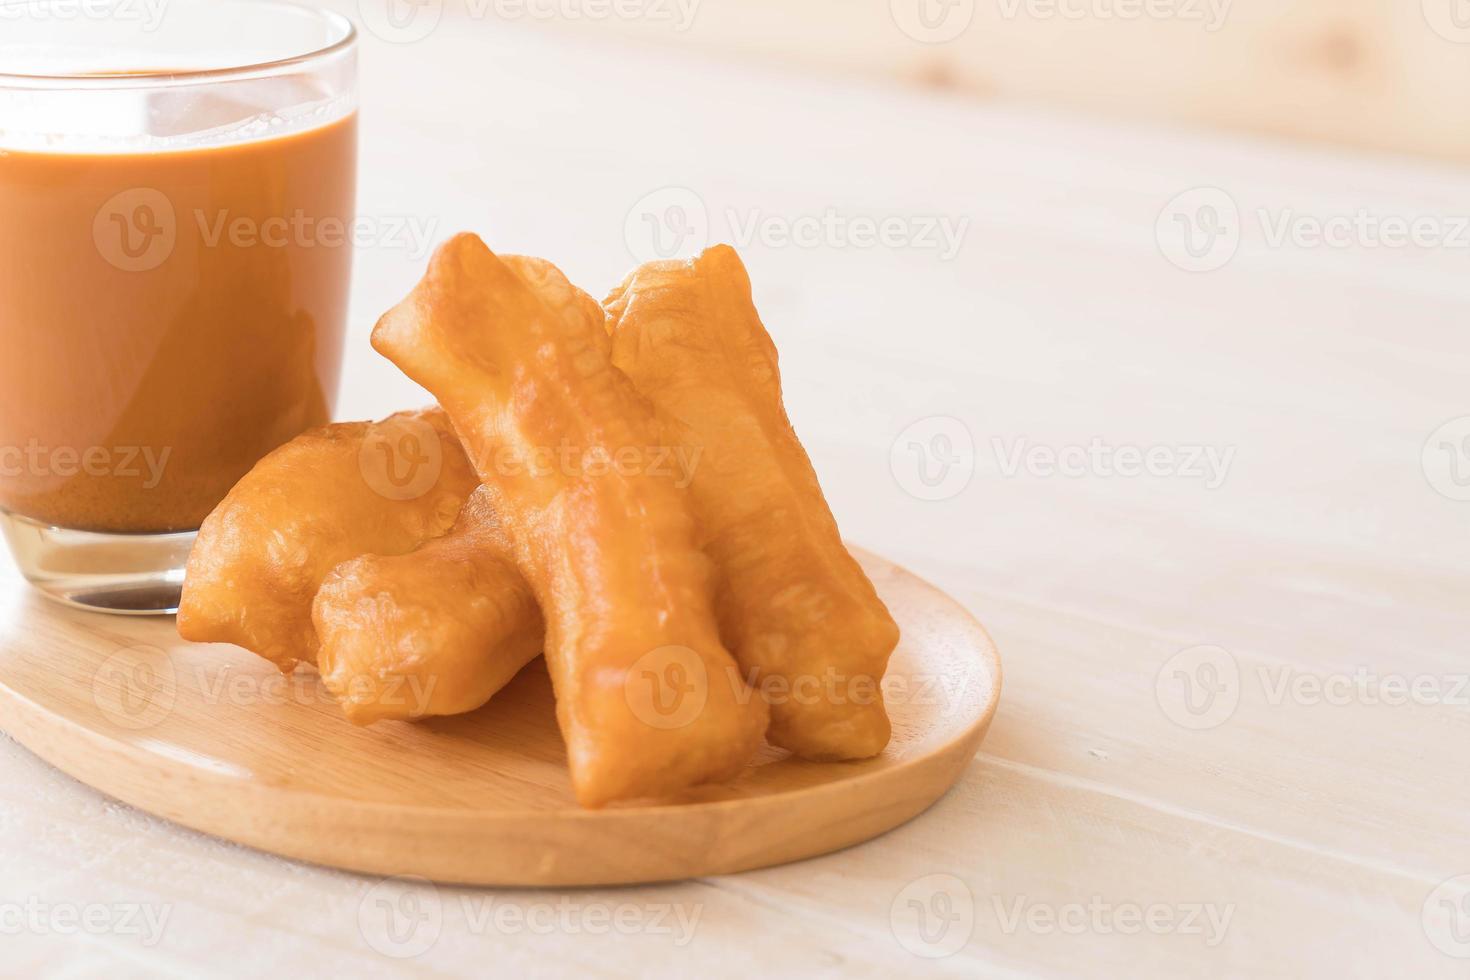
pixel 177 185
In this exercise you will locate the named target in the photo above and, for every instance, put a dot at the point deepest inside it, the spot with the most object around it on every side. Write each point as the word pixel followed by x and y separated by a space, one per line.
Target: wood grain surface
pixel 216 739
pixel 1325 827
pixel 1376 74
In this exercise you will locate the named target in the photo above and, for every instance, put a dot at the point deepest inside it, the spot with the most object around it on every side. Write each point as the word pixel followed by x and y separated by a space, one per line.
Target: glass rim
pixel 163 77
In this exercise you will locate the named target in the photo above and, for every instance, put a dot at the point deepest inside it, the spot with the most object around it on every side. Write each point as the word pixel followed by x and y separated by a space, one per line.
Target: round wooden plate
pixel 215 739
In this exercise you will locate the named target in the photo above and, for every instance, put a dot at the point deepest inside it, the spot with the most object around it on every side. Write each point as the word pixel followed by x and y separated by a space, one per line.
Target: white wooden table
pixel 1234 729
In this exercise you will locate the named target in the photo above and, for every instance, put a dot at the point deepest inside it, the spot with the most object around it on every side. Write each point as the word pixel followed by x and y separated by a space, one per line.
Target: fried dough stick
pixel 328 495
pixel 649 701
pixel 437 631
pixel 794 606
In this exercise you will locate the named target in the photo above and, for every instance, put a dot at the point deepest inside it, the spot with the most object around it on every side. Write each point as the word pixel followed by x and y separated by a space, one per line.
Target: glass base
pixel 125 574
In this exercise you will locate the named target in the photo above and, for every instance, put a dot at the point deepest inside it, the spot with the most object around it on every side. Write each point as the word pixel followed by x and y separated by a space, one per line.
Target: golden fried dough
pixel 535 270
pixel 328 495
pixel 434 632
pixel 800 615
pixel 648 699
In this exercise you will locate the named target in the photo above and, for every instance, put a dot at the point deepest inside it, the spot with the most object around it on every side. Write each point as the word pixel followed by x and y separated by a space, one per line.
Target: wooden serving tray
pixel 215 739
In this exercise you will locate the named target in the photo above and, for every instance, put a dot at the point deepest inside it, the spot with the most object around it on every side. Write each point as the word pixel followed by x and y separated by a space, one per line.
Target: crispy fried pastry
pixel 328 495
pixel 434 632
pixel 794 606
pixel 648 699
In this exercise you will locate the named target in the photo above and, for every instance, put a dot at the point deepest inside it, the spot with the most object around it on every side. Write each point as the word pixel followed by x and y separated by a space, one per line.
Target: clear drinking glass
pixel 177 187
